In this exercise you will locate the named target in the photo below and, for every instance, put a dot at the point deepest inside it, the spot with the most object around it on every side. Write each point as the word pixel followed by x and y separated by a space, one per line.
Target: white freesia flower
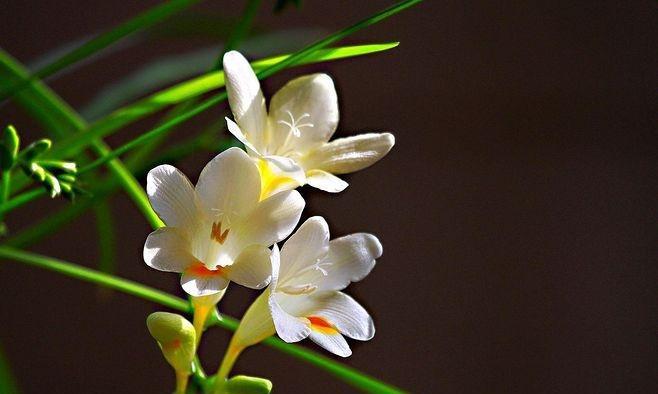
pixel 304 297
pixel 220 230
pixel 291 143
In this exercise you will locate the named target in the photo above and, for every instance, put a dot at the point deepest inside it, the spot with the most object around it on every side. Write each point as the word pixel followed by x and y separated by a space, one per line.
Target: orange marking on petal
pixel 217 234
pixel 199 269
pixel 175 344
pixel 322 325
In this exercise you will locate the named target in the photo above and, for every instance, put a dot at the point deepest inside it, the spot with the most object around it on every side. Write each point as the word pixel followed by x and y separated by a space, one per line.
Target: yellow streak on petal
pixel 270 181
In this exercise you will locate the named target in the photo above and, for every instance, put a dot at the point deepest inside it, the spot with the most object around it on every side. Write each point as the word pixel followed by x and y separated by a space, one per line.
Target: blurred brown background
pixel 517 210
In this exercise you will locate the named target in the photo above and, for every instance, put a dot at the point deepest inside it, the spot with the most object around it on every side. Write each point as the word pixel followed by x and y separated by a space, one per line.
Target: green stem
pixel 7 382
pixel 106 237
pixel 140 22
pixel 343 372
pixel 181 382
pixel 5 190
pixel 20 200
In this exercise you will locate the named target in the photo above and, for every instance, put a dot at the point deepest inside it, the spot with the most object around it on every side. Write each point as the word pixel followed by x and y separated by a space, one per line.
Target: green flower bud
pixel 35 171
pixel 36 149
pixel 9 144
pixel 67 178
pixel 66 167
pixel 52 185
pixel 242 384
pixel 176 337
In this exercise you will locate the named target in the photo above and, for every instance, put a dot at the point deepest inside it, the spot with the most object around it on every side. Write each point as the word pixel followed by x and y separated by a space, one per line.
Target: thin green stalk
pixel 347 374
pixel 106 237
pixel 140 22
pixel 46 105
pixel 184 91
pixel 7 382
pixel 20 200
pixel 5 190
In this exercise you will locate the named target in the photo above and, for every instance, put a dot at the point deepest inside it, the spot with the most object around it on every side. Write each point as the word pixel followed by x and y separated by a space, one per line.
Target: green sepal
pixel 36 149
pixel 9 144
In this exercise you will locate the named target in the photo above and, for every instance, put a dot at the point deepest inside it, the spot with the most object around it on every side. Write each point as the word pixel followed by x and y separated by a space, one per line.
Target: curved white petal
pixel 279 174
pixel 245 97
pixel 273 219
pixel 229 185
pixel 234 129
pixel 344 313
pixel 335 343
pixel 345 155
pixel 310 103
pixel 289 328
pixel 203 285
pixel 252 268
pixel 168 249
pixel 172 196
pixel 350 259
pixel 302 251
pixel 323 180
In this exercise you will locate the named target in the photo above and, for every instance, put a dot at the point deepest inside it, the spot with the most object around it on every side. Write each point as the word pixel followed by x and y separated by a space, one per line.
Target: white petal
pixel 168 249
pixel 237 133
pixel 344 313
pixel 350 259
pixel 203 285
pixel 245 97
pixel 350 154
pixel 302 250
pixel 310 99
pixel 323 180
pixel 279 174
pixel 252 268
pixel 229 185
pixel 335 343
pixel 273 219
pixel 172 196
pixel 289 328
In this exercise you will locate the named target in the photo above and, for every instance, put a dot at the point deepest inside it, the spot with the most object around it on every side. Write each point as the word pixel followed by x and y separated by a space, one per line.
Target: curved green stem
pixel 21 199
pixel 347 374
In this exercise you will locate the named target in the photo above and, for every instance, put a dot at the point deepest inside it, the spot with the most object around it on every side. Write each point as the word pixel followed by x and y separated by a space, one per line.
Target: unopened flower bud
pixel 36 149
pixel 242 384
pixel 52 185
pixel 67 167
pixel 9 143
pixel 176 337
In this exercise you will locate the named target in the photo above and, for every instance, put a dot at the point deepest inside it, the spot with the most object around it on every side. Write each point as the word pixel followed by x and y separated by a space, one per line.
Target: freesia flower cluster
pixel 227 227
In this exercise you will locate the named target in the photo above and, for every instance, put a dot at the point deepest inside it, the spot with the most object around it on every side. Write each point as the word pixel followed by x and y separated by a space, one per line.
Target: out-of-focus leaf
pixel 71 146
pixel 169 69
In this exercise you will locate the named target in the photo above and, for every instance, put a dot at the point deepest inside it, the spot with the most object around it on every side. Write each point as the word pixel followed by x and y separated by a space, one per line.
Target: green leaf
pixel 140 22
pixel 193 88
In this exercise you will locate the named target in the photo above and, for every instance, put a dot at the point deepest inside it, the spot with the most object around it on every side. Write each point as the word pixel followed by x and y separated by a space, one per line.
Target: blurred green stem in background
pixel 140 22
pixel 347 374
pixel 7 382
pixel 240 31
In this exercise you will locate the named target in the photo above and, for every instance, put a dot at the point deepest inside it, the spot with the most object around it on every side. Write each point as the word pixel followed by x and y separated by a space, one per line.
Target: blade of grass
pixel 140 22
pixel 186 90
pixel 347 374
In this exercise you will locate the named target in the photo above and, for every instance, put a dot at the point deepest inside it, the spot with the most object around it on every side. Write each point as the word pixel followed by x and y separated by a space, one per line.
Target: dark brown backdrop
pixel 517 210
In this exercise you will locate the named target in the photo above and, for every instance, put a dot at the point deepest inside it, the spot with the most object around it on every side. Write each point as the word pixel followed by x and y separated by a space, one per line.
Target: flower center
pixel 216 233
pixel 294 131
